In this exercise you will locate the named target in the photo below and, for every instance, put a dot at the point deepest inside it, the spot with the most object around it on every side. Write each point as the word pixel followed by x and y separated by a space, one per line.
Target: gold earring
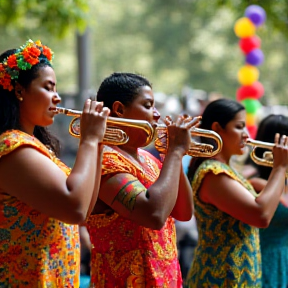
pixel 20 98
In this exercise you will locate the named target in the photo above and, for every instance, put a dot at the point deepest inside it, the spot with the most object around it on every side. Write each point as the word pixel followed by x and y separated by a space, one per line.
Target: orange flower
pixel 5 81
pixel 47 52
pixel 12 61
pixel 31 54
pixel 2 69
pixel 25 57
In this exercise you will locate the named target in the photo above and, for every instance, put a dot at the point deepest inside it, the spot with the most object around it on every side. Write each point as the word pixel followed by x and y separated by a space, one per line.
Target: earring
pixel 18 95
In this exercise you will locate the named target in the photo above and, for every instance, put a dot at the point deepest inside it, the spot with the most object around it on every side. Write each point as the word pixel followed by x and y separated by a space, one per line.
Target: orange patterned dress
pixel 125 254
pixel 35 251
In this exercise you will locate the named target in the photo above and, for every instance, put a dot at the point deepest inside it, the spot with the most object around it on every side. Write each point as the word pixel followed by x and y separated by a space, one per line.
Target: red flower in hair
pixel 12 61
pixel 5 80
pixel 31 54
pixel 24 58
pixel 7 142
pixel 47 52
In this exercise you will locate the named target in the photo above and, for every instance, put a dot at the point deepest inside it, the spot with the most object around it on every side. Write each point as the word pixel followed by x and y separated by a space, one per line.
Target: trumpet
pixel 114 135
pixel 267 159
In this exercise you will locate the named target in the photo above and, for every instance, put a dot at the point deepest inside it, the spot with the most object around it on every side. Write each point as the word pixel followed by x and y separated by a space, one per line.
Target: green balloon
pixel 251 105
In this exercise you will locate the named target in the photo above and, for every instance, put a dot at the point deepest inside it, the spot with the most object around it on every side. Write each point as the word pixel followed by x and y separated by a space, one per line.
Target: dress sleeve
pixel 114 162
pixel 216 167
pixel 11 140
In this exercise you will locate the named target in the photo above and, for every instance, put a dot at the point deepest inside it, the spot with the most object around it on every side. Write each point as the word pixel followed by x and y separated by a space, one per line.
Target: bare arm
pixel 34 179
pixel 151 207
pixel 230 196
pixel 97 180
pixel 183 209
pixel 258 183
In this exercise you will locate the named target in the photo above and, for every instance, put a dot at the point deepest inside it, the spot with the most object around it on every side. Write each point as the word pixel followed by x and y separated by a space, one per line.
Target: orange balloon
pixel 250 119
pixel 248 74
pixel 244 27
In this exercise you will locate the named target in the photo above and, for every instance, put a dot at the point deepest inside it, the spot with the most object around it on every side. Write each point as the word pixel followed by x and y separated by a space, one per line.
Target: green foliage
pixel 172 42
pixel 57 16
pixel 184 42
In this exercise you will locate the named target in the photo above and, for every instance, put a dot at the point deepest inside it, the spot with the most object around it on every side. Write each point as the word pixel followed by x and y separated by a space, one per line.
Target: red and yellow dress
pixel 35 251
pixel 125 254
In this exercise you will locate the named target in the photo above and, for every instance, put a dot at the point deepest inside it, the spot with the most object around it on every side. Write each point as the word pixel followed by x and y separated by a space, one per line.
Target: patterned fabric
pixel 274 250
pixel 125 254
pixel 228 252
pixel 35 251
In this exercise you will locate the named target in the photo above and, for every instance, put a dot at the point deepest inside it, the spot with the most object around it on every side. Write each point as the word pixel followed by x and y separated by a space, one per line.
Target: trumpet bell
pixel 267 159
pixel 196 149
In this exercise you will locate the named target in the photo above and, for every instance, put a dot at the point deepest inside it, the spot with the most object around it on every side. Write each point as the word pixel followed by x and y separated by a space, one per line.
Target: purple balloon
pixel 255 57
pixel 256 14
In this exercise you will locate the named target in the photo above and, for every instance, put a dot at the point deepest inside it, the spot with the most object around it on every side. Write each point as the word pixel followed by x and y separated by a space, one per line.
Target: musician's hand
pixel 280 151
pixel 179 134
pixel 93 121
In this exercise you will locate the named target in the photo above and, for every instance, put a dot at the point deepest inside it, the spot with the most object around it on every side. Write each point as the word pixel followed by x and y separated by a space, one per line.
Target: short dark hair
pixel 121 86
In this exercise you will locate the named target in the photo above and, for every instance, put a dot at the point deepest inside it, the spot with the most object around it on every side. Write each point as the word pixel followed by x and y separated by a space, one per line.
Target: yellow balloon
pixel 244 27
pixel 247 75
pixel 251 119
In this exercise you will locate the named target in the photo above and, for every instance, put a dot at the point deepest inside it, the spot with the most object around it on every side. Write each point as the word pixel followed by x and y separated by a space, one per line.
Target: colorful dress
pixel 274 250
pixel 124 254
pixel 35 251
pixel 228 252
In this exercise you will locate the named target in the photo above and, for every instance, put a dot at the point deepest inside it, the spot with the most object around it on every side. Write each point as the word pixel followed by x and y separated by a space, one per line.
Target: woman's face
pixel 39 100
pixel 234 135
pixel 142 108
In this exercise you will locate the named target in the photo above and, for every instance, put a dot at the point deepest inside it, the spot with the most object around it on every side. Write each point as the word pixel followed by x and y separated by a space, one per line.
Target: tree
pixel 57 16
pixel 177 43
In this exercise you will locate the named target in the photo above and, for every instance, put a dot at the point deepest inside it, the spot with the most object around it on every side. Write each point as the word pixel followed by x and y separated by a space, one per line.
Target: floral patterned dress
pixel 125 254
pixel 35 251
pixel 228 250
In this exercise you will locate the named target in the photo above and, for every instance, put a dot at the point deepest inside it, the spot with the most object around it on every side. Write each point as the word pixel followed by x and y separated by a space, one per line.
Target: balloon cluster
pixel 251 90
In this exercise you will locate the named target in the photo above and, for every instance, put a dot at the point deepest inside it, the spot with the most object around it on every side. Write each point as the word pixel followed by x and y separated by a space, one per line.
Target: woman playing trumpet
pixel 227 208
pixel 131 227
pixel 273 239
pixel 38 193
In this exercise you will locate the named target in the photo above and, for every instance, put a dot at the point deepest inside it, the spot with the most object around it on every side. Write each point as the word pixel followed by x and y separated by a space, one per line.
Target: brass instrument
pixel 196 149
pixel 267 159
pixel 114 135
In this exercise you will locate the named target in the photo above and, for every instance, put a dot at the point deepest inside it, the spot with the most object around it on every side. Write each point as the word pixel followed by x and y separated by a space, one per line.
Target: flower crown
pixel 23 59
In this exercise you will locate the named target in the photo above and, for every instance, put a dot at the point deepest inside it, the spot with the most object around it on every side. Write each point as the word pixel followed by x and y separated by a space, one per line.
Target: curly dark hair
pixel 9 105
